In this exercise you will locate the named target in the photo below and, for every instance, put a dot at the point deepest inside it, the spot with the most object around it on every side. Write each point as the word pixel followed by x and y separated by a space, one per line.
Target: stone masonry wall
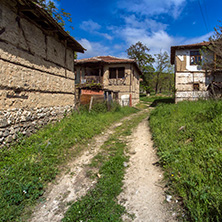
pixel 36 75
pixel 131 84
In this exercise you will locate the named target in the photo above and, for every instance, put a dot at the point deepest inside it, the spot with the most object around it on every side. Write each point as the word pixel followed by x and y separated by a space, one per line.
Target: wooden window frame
pixel 117 69
pixel 195 57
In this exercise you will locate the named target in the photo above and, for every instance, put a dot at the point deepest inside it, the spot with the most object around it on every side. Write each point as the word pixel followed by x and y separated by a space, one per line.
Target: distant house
pixel 116 76
pixel 192 81
pixel 37 68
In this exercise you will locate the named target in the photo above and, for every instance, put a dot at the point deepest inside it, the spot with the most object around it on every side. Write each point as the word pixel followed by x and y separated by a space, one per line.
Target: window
pixel 195 58
pixel 112 73
pixel 116 73
pixel 121 72
pixel 196 86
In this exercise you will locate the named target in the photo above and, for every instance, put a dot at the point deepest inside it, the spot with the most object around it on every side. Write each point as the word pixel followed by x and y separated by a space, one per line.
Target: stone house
pixel 36 68
pixel 119 77
pixel 192 81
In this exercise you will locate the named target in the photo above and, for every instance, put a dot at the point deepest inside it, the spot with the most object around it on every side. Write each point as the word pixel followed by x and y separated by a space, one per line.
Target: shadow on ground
pixel 162 100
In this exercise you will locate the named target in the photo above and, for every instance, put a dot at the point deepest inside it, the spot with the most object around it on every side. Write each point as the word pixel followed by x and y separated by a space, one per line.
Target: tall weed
pixel 188 137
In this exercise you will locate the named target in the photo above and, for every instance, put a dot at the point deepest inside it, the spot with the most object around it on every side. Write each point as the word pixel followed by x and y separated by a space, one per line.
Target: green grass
pixel 188 137
pixel 156 99
pixel 100 204
pixel 27 167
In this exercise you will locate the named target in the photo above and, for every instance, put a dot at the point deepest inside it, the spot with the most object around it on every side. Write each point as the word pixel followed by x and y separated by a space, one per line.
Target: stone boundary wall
pixel 24 122
pixel 36 75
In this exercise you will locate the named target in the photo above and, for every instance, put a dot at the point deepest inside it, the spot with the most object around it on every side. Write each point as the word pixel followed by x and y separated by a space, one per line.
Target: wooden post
pixel 90 105
pixel 130 100
pixel 100 75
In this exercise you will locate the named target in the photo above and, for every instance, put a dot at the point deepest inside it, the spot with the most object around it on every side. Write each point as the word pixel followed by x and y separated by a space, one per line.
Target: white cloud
pixel 93 28
pixel 93 49
pixel 153 7
pixel 90 26
pixel 147 23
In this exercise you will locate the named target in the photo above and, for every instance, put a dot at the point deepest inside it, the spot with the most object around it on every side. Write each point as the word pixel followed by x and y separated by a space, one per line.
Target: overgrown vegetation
pixel 188 137
pixel 100 204
pixel 27 167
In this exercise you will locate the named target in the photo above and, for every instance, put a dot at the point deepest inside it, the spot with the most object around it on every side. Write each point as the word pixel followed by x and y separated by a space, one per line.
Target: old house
pixel 36 68
pixel 116 76
pixel 192 80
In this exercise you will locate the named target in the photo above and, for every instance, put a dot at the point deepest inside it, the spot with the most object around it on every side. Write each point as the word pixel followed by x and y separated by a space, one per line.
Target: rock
pixel 168 198
pixel 23 119
pixel 6 133
pixel 9 139
pixel 181 128
pixel 125 164
pixel 3 122
pixel 132 152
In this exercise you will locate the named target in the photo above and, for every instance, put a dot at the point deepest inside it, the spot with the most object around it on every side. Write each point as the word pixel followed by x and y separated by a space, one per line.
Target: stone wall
pixel 36 74
pixel 24 122
pixel 129 86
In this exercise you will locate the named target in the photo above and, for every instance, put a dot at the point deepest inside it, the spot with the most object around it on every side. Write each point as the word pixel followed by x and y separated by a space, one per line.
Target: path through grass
pixel 27 167
pixel 100 204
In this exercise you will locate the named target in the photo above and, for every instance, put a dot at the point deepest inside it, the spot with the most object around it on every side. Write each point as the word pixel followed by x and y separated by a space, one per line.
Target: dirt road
pixel 143 195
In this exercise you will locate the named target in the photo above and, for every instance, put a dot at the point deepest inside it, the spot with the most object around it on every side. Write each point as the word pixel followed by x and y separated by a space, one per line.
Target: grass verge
pixel 27 167
pixel 189 141
pixel 100 204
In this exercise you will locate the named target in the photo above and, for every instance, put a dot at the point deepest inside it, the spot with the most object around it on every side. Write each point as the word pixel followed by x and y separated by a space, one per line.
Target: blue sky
pixel 109 27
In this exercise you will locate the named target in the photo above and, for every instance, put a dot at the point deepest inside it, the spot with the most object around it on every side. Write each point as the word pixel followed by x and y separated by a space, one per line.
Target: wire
pixel 206 13
pixel 205 23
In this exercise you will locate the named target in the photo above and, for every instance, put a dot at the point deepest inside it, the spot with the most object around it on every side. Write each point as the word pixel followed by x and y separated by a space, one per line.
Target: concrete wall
pixel 36 75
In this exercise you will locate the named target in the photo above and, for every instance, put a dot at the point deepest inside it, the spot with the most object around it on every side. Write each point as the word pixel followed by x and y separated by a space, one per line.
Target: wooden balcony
pixel 94 79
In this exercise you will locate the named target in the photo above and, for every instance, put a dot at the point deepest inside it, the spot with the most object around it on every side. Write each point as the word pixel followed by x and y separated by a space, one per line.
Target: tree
pixel 163 73
pixel 58 14
pixel 216 47
pixel 139 52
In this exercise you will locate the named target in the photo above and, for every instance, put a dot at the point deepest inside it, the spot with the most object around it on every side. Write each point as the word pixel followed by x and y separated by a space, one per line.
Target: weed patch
pixel 188 137
pixel 27 167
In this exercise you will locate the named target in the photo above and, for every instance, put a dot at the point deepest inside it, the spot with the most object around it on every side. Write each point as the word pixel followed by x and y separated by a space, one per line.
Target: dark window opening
pixel 196 86
pixel 117 73
pixel 121 72
pixel 112 73
pixel 195 58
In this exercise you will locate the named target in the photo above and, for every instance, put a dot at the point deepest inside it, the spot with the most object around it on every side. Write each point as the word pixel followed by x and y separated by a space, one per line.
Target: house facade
pixel 115 75
pixel 36 68
pixel 191 79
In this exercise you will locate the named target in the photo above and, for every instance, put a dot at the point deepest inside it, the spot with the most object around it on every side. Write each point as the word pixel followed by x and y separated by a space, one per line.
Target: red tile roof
pixel 190 46
pixel 106 60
